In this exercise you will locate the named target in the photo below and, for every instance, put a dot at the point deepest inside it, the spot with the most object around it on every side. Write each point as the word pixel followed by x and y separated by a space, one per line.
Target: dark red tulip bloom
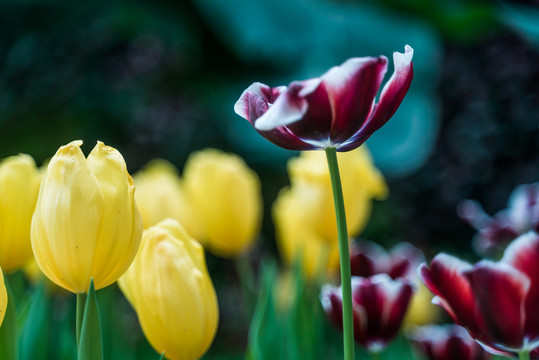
pixel 494 233
pixel 379 305
pixel 336 110
pixel 368 258
pixel 497 302
pixel 449 342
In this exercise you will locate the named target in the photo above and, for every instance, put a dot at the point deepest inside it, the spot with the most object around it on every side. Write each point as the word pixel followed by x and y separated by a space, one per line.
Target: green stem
pixel 81 303
pixel 375 356
pixel 245 274
pixel 524 355
pixel 344 254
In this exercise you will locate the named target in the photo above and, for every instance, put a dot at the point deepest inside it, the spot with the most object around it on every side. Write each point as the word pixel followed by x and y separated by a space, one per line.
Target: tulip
pixel 495 301
pixel 296 240
pixel 160 195
pixel 361 181
pixel 86 224
pixel 379 306
pixel 226 198
pixel 303 213
pixel 368 259
pixel 19 187
pixel 169 287
pixel 337 110
pixel 3 297
pixel 495 233
pixel 449 342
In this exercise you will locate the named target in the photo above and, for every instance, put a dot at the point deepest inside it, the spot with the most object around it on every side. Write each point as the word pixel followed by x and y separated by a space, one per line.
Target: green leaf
pixel 34 342
pixel 91 342
pixel 8 330
pixel 265 335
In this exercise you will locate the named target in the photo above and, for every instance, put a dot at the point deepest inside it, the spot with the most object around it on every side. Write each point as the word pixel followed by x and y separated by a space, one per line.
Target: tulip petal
pixel 500 291
pixel 69 198
pixel 391 97
pixel 352 88
pixel 288 108
pixel 523 254
pixel 444 278
pixel 121 225
pixel 256 100
pixel 384 302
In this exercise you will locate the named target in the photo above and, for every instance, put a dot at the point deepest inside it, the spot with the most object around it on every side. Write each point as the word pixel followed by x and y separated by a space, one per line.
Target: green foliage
pixel 34 342
pixel 91 343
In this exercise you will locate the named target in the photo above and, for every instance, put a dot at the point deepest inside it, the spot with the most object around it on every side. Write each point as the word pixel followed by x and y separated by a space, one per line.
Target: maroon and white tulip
pixel 336 110
pixel 368 258
pixel 446 342
pixel 494 233
pixel 497 302
pixel 379 305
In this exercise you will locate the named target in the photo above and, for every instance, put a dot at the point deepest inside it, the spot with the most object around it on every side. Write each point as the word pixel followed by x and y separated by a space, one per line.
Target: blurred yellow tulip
pixel 304 213
pixel 3 297
pixel 225 195
pixel 421 310
pixel 169 287
pixel 298 241
pixel 19 187
pixel 160 195
pixel 86 224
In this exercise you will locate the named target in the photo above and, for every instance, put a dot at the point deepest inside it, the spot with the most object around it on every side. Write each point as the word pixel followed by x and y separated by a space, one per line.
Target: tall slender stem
pixel 344 254
pixel 81 303
pixel 524 355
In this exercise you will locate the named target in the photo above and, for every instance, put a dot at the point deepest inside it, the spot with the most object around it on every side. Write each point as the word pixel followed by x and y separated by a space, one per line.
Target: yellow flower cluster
pixel 81 221
pixel 218 200
pixel 304 213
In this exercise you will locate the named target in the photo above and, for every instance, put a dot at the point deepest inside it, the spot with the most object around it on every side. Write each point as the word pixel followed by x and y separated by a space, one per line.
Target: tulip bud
pixel 169 287
pixel 225 195
pixel 3 297
pixel 361 182
pixel 86 224
pixel 160 195
pixel 19 187
pixel 379 306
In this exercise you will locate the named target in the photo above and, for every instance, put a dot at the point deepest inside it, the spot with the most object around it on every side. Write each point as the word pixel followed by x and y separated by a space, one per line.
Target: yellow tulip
pixel 225 195
pixel 421 310
pixel 19 186
pixel 361 182
pixel 160 195
pixel 298 241
pixel 304 213
pixel 169 287
pixel 3 297
pixel 86 224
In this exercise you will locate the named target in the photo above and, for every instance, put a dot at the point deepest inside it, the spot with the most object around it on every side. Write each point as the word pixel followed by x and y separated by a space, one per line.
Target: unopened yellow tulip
pixel 361 182
pixel 86 224
pixel 160 195
pixel 3 297
pixel 298 241
pixel 19 186
pixel 169 287
pixel 225 195
pixel 304 213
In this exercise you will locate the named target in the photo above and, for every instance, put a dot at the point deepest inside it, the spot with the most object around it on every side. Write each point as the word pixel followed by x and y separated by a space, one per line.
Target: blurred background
pixel 160 78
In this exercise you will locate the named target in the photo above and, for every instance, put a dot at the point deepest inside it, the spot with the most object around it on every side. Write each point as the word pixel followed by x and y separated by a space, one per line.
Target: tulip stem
pixel 81 304
pixel 245 274
pixel 524 355
pixel 344 254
